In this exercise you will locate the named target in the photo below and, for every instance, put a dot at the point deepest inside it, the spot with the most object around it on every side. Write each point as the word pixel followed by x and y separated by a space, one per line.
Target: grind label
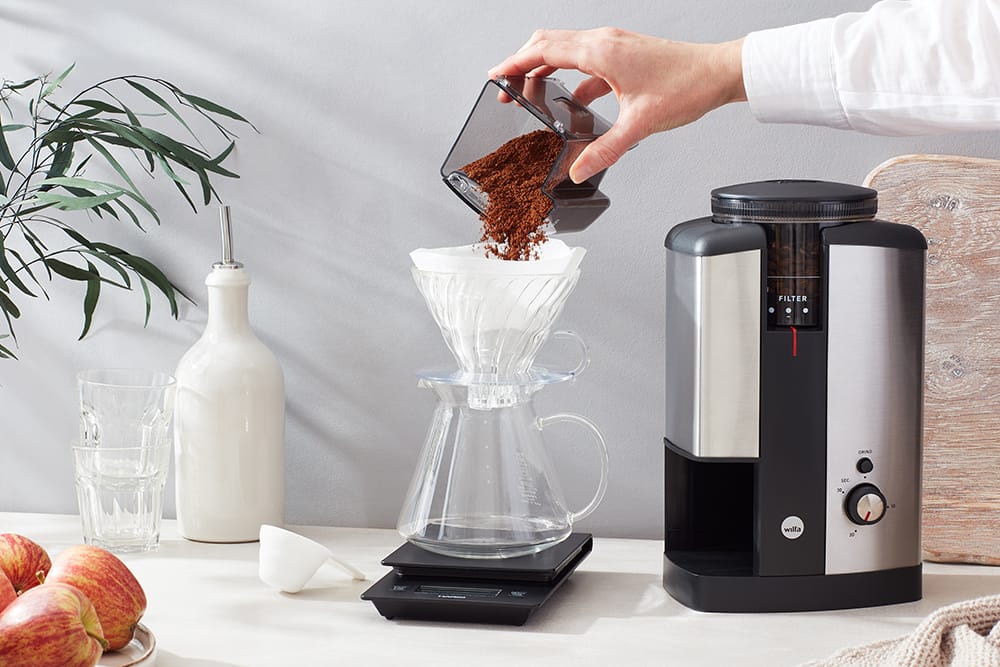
pixel 792 527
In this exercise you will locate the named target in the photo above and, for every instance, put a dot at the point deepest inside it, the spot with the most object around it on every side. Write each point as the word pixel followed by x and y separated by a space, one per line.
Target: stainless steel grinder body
pixel 794 347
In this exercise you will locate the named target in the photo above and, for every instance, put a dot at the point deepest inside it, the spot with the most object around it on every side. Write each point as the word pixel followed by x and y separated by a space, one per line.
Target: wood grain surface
pixel 955 202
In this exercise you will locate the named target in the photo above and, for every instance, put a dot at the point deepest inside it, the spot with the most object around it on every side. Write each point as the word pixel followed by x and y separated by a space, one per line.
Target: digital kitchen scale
pixel 432 587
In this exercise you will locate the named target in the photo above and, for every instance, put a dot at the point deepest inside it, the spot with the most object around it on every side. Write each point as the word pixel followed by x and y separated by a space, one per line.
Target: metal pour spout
pixel 227 241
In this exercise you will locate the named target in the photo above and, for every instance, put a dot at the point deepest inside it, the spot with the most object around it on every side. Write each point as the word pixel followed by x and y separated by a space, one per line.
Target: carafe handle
pixel 602 450
pixel 584 350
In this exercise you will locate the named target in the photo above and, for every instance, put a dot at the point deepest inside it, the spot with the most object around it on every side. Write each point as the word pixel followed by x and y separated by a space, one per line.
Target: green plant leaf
pixel 23 84
pixel 90 300
pixel 224 154
pixel 206 187
pixel 78 237
pixel 127 132
pixel 10 311
pixel 5 157
pixel 185 195
pixel 61 160
pixel 9 272
pixel 147 270
pixel 49 89
pixel 70 203
pixel 149 303
pixel 5 352
pixel 100 105
pixel 110 261
pixel 209 105
pixel 168 170
pixel 110 159
pixel 27 269
pixel 160 101
pixel 68 270
pixel 76 182
pixel 14 127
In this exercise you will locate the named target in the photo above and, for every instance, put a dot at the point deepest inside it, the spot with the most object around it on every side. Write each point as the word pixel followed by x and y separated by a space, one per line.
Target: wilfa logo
pixel 792 527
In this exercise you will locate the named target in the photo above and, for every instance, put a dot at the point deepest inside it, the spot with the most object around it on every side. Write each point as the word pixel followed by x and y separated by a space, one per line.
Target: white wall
pixel 357 104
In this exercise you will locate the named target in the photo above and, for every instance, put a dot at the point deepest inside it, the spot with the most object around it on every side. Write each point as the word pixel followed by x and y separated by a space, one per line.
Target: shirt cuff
pixel 789 75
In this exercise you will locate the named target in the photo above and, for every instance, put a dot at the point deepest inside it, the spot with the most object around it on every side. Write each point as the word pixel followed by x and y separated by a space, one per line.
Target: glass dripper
pixel 495 315
pixel 495 324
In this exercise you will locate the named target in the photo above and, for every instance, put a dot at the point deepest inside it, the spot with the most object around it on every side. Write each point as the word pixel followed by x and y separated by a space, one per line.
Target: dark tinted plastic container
pixel 513 106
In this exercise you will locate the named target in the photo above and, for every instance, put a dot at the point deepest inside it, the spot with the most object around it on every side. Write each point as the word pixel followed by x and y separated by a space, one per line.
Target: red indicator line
pixel 868 514
pixel 795 341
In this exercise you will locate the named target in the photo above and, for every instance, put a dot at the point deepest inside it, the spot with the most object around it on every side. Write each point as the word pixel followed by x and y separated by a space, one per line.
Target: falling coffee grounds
pixel 512 178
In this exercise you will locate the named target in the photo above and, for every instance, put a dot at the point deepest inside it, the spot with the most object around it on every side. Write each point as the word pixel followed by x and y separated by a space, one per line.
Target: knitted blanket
pixel 965 634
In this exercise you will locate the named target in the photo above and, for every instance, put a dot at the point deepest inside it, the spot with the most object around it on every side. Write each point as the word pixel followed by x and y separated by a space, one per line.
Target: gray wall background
pixel 357 104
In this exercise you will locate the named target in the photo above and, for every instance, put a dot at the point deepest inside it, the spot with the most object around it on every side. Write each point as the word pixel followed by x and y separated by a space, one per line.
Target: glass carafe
pixel 485 486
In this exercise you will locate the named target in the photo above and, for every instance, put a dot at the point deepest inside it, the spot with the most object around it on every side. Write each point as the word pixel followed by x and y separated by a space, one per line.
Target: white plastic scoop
pixel 289 560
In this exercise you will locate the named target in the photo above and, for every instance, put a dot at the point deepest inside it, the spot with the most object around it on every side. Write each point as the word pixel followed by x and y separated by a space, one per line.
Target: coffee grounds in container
pixel 512 178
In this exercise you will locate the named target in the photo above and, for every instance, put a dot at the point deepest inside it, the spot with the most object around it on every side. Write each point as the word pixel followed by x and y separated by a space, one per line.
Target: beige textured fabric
pixel 965 634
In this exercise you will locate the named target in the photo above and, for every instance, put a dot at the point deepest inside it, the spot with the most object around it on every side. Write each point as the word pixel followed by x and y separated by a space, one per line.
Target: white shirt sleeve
pixel 917 67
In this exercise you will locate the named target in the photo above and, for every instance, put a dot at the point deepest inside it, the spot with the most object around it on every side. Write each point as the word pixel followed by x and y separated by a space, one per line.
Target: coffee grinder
pixel 794 355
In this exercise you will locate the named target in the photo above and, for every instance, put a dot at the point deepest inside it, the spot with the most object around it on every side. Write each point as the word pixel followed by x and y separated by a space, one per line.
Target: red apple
pixel 50 626
pixel 21 560
pixel 117 596
pixel 7 592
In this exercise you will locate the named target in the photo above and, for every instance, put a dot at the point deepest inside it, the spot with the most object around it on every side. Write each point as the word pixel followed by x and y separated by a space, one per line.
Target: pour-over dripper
pixel 495 315
pixel 494 325
pixel 510 107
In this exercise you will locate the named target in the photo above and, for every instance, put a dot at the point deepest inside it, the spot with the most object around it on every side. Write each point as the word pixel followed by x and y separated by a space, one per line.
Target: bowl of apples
pixel 80 609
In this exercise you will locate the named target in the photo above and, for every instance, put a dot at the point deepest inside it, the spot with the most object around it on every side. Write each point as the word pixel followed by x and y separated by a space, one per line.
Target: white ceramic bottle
pixel 229 425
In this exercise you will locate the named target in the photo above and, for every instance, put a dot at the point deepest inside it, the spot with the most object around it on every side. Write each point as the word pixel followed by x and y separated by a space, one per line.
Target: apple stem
pixel 40 575
pixel 100 640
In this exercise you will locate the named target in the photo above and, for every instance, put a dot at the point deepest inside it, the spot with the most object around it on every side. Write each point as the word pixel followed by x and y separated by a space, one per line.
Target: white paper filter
pixel 554 257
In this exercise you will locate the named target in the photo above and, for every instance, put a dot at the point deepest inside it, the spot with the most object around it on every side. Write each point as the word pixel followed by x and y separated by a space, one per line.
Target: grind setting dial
pixel 865 504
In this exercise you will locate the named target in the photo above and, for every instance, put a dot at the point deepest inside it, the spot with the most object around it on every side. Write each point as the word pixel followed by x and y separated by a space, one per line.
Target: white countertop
pixel 207 608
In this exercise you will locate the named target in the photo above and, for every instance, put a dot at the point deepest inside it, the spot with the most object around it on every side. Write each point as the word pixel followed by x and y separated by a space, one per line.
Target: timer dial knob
pixel 865 504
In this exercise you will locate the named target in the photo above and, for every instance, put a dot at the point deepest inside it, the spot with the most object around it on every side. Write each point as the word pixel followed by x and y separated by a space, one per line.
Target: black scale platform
pixel 432 587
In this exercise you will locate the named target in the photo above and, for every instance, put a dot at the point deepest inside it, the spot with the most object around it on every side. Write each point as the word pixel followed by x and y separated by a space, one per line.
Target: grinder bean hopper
pixel 509 107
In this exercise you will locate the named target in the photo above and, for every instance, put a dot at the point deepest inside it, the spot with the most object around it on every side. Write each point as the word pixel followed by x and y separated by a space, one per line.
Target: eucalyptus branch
pixel 48 180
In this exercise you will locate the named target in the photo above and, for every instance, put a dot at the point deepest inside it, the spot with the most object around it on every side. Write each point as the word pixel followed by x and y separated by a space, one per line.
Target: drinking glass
pixel 123 456
pixel 122 407
pixel 120 494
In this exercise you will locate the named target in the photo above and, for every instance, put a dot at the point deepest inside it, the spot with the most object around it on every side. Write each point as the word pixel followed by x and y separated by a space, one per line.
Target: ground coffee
pixel 512 178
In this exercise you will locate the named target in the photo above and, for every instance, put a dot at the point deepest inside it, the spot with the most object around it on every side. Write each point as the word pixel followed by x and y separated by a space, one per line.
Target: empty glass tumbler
pixel 123 456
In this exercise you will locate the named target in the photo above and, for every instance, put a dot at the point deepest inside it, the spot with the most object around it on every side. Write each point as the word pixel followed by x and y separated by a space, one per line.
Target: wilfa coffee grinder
pixel 794 348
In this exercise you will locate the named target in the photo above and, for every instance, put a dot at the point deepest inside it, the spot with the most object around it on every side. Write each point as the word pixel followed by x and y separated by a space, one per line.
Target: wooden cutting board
pixel 955 202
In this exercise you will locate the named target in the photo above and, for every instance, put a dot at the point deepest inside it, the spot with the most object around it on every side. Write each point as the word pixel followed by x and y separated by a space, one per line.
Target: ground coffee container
pixel 511 107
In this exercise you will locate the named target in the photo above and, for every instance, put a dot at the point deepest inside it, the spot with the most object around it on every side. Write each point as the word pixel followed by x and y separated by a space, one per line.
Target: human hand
pixel 660 84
